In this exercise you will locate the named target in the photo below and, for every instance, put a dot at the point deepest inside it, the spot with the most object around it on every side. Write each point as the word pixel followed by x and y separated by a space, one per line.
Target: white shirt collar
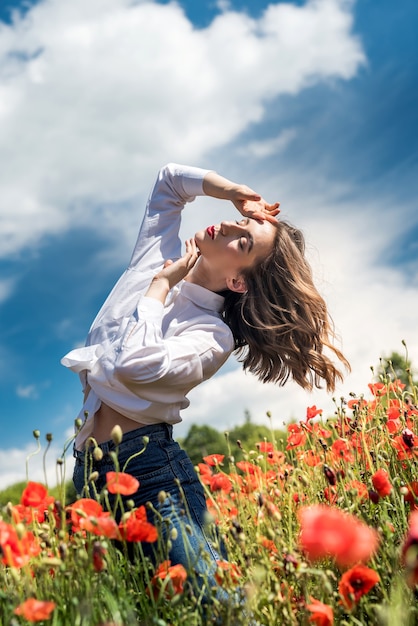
pixel 202 297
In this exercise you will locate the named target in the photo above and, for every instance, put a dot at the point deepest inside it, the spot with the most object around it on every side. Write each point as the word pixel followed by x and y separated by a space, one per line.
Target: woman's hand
pixel 248 202
pixel 259 210
pixel 173 272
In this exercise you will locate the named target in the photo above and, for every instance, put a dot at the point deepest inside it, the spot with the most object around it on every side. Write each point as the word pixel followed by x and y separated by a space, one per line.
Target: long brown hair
pixel 281 324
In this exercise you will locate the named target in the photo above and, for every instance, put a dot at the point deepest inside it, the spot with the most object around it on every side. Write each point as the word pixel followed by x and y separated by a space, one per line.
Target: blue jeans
pixel 162 467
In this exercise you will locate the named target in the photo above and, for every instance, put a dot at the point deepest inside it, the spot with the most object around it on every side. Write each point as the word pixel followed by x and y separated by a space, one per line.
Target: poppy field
pixel 320 528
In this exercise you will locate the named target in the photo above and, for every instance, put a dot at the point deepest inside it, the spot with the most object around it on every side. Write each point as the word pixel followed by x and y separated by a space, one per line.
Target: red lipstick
pixel 211 231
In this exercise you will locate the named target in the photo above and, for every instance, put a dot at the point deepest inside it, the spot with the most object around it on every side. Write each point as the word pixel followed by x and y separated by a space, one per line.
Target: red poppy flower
pixel 296 436
pixel 322 614
pixel 406 444
pixel 214 459
pixel 328 532
pixel 119 482
pixel 342 450
pixel 331 495
pixel 17 550
pixel 276 457
pixel 357 403
pixel 355 583
pixel 378 389
pixel 410 551
pixel 34 610
pixel 381 483
pixel 220 482
pixel 309 457
pixel 226 569
pixel 34 494
pixel 137 528
pixel 103 526
pixel 265 447
pixel 393 425
pixel 85 507
pixel 248 468
pixel 312 412
pixel 205 473
pixel 359 487
pixel 34 502
pixel 176 574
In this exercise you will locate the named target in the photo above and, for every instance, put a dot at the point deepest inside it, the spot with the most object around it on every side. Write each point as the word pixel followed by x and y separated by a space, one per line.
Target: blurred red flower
pixel 119 482
pixel 322 614
pixel 411 494
pixel 410 551
pixel 98 555
pixel 177 576
pixel 359 487
pixel 381 483
pixel 342 450
pixel 214 459
pixel 36 495
pixel 220 482
pixel 296 436
pixel 85 507
pixel 309 457
pixel 266 447
pixel 406 444
pixel 378 389
pixel 355 583
pixel 136 527
pixel 205 473
pixel 226 569
pixel 103 526
pixel 312 412
pixel 328 532
pixel 34 610
pixel 17 550
pixel 88 515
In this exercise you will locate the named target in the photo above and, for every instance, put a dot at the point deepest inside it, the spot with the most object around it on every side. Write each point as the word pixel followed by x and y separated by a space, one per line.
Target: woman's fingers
pixel 261 210
pixel 175 271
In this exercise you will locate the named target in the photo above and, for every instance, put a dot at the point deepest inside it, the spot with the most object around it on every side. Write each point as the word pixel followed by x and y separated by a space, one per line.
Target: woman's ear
pixel 237 284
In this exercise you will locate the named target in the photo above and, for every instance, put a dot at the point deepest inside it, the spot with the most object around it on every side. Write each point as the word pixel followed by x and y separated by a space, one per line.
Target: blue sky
pixel 311 103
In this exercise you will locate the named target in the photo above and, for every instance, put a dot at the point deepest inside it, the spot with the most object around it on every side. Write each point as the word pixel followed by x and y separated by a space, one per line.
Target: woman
pixel 172 320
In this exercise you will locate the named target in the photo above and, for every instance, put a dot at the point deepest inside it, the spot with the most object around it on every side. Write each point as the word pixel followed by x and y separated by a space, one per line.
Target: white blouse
pixel 142 357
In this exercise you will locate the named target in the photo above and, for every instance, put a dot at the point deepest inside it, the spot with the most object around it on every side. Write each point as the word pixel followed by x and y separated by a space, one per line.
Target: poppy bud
pixel 116 434
pixel 97 454
pixel 374 496
pixel 330 475
pixel 408 437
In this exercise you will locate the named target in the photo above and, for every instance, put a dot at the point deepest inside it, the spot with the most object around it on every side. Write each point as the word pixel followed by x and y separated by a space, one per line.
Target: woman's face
pixel 230 247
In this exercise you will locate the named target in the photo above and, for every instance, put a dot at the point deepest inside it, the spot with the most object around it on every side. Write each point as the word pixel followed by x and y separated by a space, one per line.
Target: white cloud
pixel 6 289
pixel 15 461
pixel 27 391
pixel 95 96
pixel 270 146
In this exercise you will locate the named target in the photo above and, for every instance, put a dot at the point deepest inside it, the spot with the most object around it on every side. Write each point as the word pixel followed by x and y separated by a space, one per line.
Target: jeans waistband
pixel 153 432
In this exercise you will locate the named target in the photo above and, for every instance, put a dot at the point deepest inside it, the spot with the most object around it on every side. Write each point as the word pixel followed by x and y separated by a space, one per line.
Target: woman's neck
pixel 201 274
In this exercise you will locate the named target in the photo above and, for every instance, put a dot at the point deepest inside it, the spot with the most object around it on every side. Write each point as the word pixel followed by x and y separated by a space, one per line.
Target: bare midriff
pixel 106 418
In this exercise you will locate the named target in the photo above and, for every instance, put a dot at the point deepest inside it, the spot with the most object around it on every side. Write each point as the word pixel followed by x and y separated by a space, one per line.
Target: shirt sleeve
pixel 158 238
pixel 145 362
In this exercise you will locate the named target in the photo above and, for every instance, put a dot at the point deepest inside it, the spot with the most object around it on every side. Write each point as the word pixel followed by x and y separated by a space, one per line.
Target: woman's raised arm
pixel 248 202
